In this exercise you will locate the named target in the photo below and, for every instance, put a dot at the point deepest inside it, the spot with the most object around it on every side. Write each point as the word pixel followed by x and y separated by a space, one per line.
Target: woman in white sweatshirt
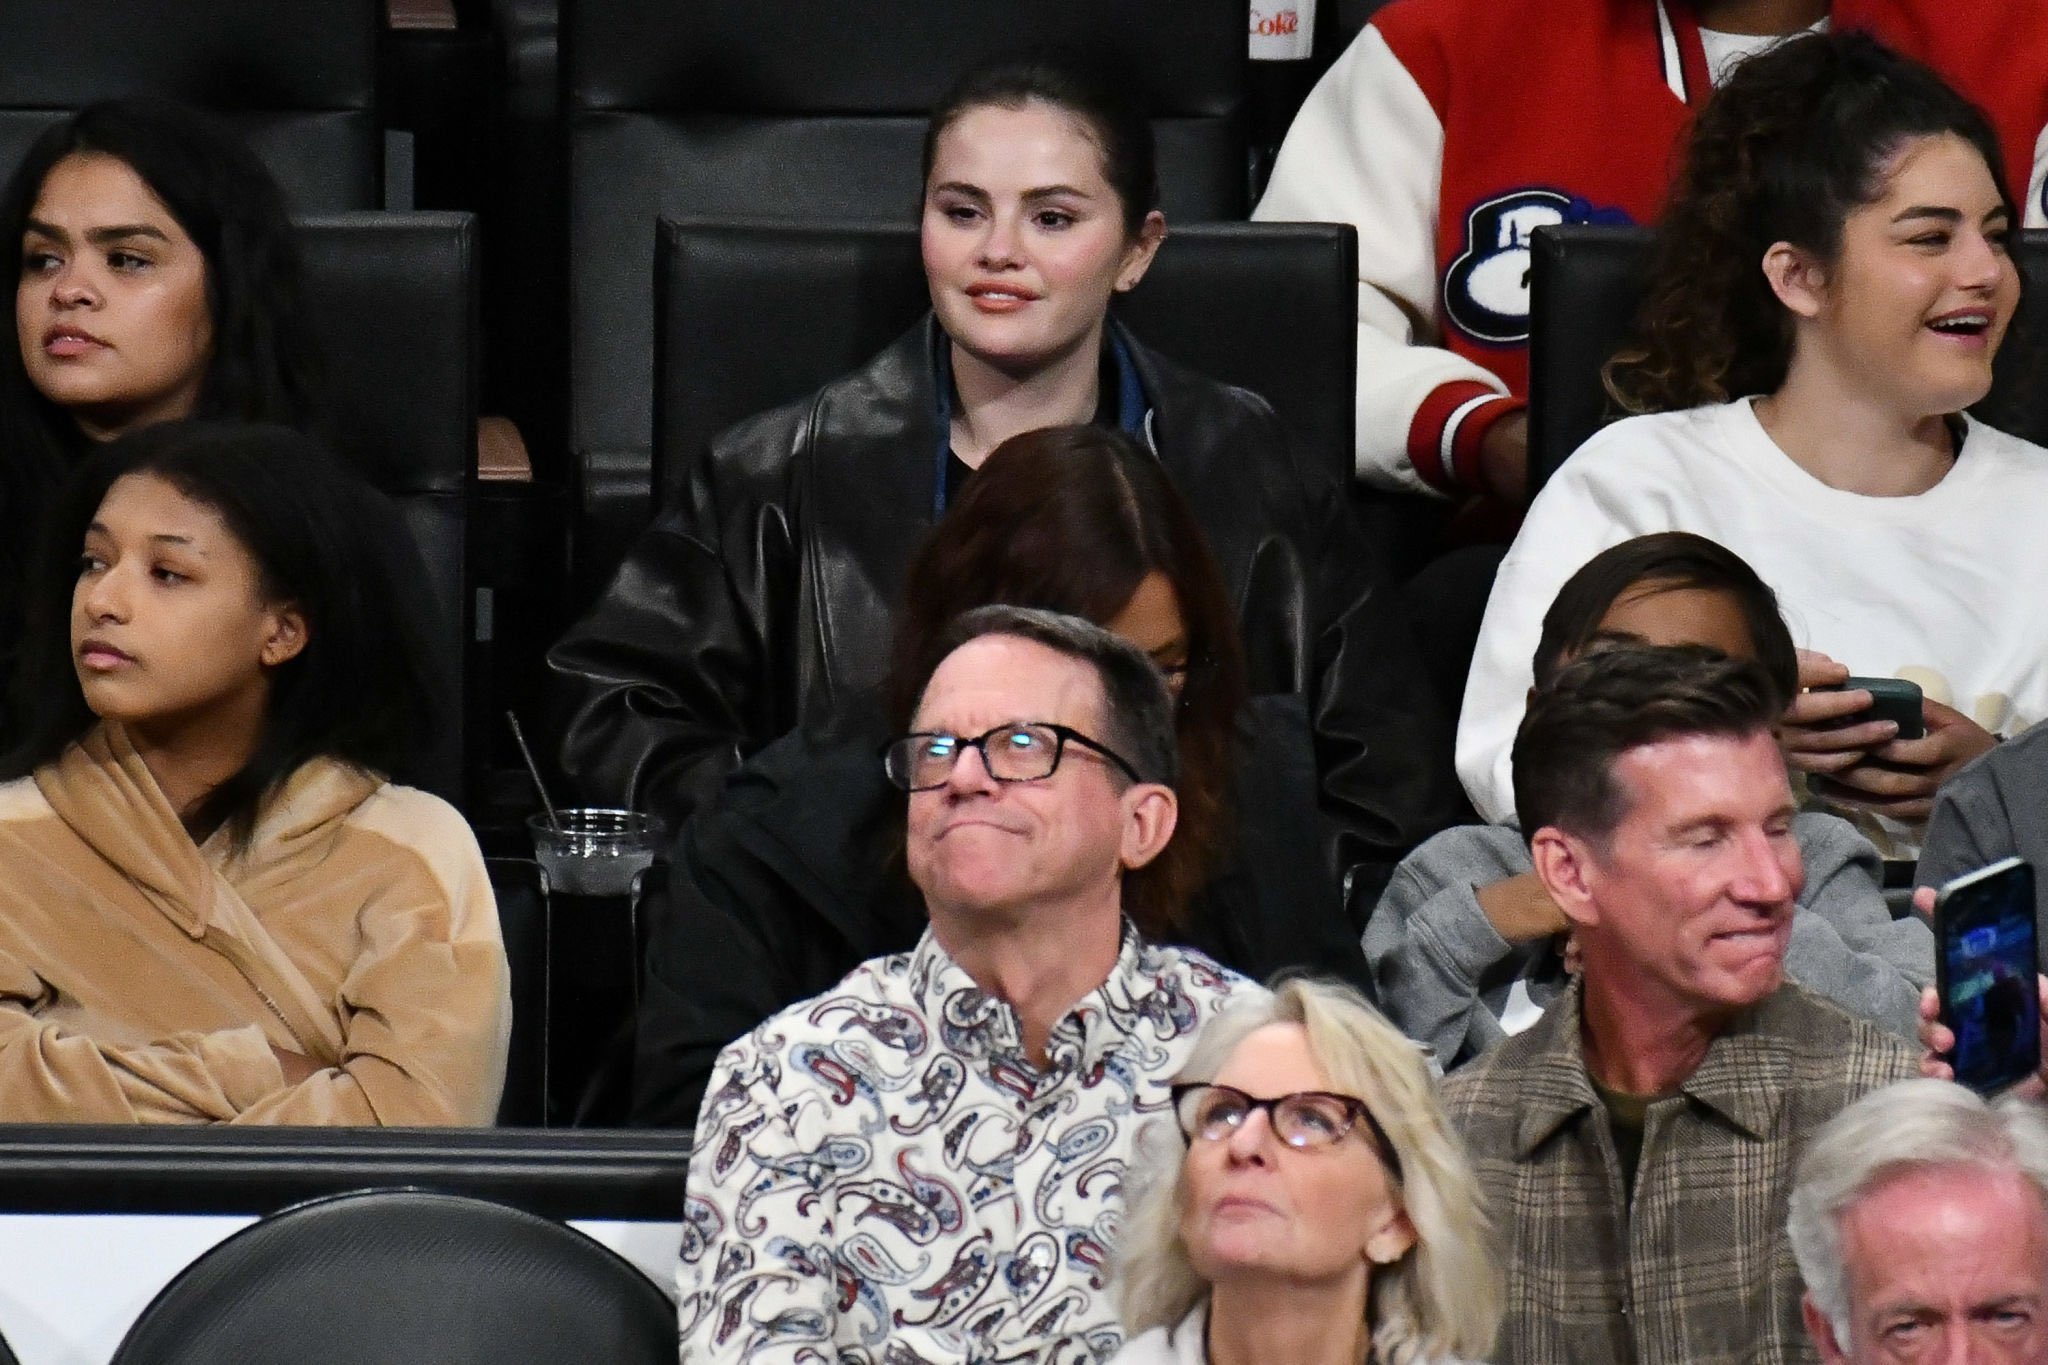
pixel 1833 282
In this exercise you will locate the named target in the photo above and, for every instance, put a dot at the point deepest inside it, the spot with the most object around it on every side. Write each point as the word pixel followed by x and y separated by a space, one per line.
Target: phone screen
pixel 1984 928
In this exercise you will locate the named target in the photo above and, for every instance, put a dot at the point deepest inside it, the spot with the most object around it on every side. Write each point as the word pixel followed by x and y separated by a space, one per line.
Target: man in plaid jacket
pixel 1637 1144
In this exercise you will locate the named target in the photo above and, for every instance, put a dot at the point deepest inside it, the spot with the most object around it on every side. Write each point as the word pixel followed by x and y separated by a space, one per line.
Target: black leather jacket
pixel 763 600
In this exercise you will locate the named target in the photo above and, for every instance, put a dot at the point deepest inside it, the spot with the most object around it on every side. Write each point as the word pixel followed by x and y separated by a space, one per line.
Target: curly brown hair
pixel 1798 138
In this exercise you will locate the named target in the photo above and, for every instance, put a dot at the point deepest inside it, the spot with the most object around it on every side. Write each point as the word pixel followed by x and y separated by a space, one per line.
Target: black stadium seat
pixel 299 80
pixel 755 314
pixel 762 109
pixel 404 1275
pixel 393 297
pixel 1587 282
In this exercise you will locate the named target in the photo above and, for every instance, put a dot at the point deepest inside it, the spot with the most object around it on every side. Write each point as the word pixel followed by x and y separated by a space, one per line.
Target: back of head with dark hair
pixel 1089 87
pixel 1671 560
pixel 365 689
pixel 264 363
pixel 1794 141
pixel 1614 700
pixel 1137 710
pixel 1073 519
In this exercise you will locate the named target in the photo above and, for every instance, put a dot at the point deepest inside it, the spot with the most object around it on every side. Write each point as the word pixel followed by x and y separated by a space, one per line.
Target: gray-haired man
pixel 1920 1220
pixel 924 1164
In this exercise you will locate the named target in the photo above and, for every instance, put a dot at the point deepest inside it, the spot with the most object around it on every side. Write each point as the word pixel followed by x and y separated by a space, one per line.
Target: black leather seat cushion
pixel 401 1275
pixel 325 160
pixel 393 297
pixel 299 79
pixel 793 57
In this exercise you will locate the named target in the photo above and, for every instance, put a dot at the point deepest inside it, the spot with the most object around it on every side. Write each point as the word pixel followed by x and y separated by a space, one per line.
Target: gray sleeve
pixel 1429 944
pixel 1845 944
pixel 1969 828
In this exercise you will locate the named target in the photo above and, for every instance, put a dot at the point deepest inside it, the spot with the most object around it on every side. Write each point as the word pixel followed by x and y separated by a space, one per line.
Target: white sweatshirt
pixel 1948 588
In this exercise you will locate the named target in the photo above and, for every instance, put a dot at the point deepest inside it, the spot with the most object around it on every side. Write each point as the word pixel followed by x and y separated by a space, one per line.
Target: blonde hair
pixel 1444 1296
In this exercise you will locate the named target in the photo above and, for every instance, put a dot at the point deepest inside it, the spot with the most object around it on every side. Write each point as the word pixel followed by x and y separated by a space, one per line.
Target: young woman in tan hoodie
pixel 214 905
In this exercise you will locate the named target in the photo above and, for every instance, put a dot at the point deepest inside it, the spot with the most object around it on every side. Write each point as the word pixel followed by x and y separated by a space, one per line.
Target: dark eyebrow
pixel 161 538
pixel 102 236
pixel 99 236
pixel 1946 215
pixel 1043 192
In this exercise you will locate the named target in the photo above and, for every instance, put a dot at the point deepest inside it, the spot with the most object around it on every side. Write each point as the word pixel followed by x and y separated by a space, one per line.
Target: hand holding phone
pixel 1817 731
pixel 1892 699
pixel 1985 960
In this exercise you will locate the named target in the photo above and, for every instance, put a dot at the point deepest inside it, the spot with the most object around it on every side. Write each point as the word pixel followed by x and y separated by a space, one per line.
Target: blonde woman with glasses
pixel 1320 1211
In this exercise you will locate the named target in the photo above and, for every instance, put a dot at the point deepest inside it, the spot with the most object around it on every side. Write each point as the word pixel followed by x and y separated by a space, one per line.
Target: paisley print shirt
pixel 882 1175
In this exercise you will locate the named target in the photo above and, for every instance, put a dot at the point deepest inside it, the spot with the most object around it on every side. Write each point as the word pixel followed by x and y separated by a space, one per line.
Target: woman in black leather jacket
pixel 765 597
pixel 795 874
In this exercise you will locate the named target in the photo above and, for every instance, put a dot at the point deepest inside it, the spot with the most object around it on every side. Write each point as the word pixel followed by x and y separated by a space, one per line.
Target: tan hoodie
pixel 145 978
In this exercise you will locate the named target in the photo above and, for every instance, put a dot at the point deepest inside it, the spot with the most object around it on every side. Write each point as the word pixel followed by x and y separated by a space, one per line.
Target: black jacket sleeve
pixel 1314 622
pixel 675 673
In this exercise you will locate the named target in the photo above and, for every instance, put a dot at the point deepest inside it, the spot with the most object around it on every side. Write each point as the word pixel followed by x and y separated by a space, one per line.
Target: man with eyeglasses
pixel 1636 1144
pixel 925 1163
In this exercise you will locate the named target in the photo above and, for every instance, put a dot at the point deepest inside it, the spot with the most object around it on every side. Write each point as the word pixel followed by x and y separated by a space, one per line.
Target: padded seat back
pixel 394 302
pixel 1586 284
pixel 404 1275
pixel 778 109
pixel 299 80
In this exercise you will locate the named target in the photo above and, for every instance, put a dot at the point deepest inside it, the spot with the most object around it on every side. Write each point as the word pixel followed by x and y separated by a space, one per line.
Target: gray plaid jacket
pixel 1698 1269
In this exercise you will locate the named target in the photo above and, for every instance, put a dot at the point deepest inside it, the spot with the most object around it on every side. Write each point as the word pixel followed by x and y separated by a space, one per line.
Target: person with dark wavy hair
pixel 1832 284
pixel 215 904
pixel 156 277
pixel 795 874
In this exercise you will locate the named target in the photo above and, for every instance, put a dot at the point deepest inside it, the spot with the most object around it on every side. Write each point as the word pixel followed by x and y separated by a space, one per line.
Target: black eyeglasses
pixel 1303 1120
pixel 1022 751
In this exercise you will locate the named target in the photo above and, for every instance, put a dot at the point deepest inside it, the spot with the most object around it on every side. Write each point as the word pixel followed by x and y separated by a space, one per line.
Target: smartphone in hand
pixel 1984 967
pixel 1892 699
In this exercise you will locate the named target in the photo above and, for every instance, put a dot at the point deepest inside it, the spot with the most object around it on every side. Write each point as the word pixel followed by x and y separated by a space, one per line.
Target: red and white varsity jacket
pixel 1451 129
